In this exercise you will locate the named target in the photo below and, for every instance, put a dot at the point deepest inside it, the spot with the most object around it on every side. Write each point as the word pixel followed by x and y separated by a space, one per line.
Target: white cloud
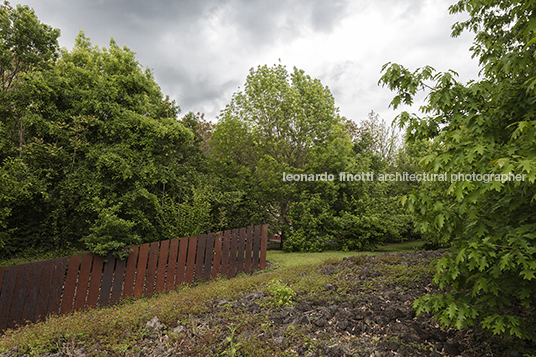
pixel 201 51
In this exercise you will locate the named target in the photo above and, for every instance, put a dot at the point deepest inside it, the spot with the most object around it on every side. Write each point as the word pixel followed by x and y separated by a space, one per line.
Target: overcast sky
pixel 200 51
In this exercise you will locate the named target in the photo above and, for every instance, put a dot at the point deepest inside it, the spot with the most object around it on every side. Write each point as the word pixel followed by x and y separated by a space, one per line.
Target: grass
pixel 287 260
pixel 118 329
pixel 401 247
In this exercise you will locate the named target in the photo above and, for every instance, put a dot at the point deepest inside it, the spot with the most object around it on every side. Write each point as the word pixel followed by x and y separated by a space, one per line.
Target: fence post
pixel 249 248
pixel 140 271
pixel 6 295
pixel 216 265
pixel 199 260
pixel 208 256
pixel 45 289
pixel 172 264
pixel 190 263
pixel 151 269
pixel 181 268
pixel 132 261
pixel 264 245
pixel 70 284
pixel 162 266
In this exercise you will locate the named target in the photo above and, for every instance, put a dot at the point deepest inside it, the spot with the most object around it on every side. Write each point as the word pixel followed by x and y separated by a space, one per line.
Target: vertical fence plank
pixel 190 262
pixel 83 282
pixel 6 295
pixel 199 260
pixel 2 270
pixel 95 283
pixel 172 264
pixel 30 301
pixel 217 255
pixel 232 255
pixel 60 270
pixel 140 271
pixel 181 263
pixel 19 293
pixel 70 284
pixel 208 256
pixel 264 246
pixel 45 288
pixel 249 248
pixel 132 260
pixel 119 277
pixel 107 278
pixel 256 247
pixel 151 269
pixel 225 252
pixel 241 250
pixel 162 266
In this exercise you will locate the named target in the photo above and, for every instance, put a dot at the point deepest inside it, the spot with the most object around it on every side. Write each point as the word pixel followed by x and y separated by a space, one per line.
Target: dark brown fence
pixel 30 292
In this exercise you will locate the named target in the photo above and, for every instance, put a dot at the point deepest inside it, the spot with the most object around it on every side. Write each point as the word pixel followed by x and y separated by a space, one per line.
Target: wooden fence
pixel 30 292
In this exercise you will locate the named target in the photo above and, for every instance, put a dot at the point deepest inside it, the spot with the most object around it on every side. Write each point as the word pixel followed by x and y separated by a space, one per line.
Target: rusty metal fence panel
pixel 30 292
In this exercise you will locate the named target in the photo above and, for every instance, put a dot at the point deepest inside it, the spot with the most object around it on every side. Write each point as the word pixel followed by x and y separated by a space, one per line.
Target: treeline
pixel 94 156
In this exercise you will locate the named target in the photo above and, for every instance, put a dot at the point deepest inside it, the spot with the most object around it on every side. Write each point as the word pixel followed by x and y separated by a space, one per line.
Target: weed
pixel 233 345
pixel 282 293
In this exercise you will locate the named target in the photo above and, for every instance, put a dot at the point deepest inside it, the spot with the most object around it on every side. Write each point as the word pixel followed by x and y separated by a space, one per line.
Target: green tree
pixel 371 212
pixel 280 123
pixel 486 127
pixel 26 46
pixel 374 135
pixel 104 164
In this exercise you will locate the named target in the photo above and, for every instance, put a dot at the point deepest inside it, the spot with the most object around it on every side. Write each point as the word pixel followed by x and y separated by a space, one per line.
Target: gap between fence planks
pixel 30 292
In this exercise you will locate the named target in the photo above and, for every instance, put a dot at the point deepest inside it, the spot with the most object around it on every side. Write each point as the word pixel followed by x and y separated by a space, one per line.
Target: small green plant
pixel 233 345
pixel 282 294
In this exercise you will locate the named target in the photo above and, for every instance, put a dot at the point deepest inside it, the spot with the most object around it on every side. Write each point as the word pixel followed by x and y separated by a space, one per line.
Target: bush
pixel 282 294
pixel 359 232
pixel 111 233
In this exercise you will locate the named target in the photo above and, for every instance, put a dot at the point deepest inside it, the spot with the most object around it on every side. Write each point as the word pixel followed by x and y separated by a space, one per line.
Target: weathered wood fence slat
pixel 30 292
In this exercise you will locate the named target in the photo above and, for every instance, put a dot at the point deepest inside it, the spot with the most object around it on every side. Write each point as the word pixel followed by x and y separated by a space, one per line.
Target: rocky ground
pixel 363 308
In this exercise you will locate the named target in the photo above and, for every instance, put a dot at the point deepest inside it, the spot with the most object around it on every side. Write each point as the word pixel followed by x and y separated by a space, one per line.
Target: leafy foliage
pixel 282 294
pixel 485 127
pixel 103 157
pixel 281 122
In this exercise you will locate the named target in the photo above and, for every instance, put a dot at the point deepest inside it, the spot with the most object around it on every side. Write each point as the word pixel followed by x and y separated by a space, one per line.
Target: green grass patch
pixel 401 247
pixel 290 259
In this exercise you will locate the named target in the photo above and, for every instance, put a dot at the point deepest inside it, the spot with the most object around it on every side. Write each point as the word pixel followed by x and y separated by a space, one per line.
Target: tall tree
pixel 280 123
pixel 375 135
pixel 26 46
pixel 485 130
